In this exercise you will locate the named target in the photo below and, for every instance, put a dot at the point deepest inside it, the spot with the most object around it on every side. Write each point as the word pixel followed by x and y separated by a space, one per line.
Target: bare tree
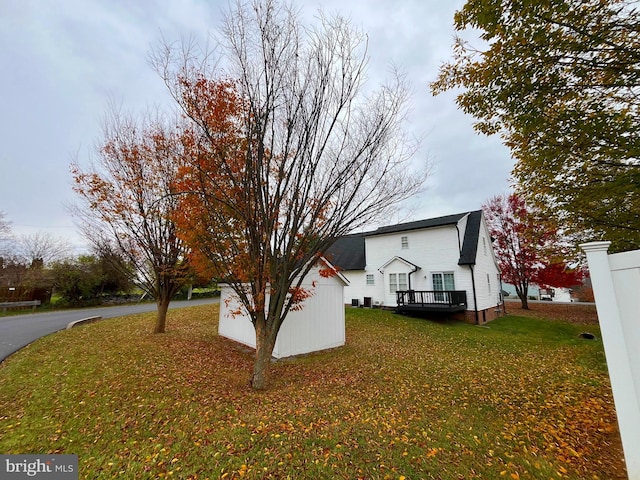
pixel 319 154
pixel 5 226
pixel 44 248
pixel 8 267
pixel 127 204
pixel 5 234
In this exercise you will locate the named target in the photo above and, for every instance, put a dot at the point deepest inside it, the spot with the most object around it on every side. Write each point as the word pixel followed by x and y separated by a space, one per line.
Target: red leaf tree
pixel 559 275
pixel 529 249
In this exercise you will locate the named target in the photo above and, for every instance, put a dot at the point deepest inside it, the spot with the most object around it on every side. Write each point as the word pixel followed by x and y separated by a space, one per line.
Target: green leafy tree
pixel 86 278
pixel 73 280
pixel 115 272
pixel 559 80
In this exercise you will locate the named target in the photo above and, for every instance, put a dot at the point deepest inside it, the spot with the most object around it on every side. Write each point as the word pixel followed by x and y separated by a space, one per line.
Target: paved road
pixel 20 330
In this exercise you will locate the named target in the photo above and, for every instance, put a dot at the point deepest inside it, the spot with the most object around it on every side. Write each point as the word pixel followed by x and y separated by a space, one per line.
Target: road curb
pixel 83 321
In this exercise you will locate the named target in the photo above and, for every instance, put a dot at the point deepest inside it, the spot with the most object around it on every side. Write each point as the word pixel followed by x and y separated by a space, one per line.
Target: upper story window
pixel 404 242
pixel 370 279
pixel 484 244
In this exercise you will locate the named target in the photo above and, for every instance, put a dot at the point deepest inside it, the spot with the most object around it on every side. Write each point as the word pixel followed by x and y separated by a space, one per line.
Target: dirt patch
pixel 579 314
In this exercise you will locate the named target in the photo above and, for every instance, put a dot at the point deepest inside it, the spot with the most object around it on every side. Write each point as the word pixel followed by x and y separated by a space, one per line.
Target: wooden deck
pixel 447 301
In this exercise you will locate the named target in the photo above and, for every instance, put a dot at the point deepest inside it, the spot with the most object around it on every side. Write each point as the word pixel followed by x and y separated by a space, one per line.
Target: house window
pixel 489 282
pixel 404 242
pixel 484 245
pixel 370 280
pixel 397 281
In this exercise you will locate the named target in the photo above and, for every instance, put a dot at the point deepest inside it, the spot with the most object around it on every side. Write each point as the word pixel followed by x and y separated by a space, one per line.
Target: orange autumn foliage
pixel 286 156
pixel 128 201
pixel 210 179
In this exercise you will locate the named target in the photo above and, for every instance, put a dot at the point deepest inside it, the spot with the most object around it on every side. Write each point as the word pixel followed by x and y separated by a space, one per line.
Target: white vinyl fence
pixel 616 286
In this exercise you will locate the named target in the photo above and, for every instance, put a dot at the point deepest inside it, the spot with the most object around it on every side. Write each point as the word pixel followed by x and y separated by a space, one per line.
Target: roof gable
pixel 337 274
pixel 400 259
pixel 471 236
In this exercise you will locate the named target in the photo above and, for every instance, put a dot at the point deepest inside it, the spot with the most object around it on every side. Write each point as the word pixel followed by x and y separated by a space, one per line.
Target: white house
pixel 318 326
pixel 444 264
pixel 537 293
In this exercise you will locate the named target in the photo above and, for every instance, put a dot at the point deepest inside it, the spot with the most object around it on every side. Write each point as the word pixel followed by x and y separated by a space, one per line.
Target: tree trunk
pixel 161 317
pixel 264 349
pixel 525 301
pixel 522 290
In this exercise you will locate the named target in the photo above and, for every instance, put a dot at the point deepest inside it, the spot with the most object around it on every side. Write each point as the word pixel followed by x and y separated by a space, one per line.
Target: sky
pixel 63 61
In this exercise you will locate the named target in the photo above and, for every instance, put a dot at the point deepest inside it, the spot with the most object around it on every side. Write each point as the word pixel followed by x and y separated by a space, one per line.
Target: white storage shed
pixel 319 325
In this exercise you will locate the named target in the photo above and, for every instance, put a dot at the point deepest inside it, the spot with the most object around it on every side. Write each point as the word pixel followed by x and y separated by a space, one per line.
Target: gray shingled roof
pixel 470 242
pixel 420 224
pixel 348 252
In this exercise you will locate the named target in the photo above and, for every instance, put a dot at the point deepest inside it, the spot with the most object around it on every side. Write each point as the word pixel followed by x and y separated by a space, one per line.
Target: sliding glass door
pixel 442 281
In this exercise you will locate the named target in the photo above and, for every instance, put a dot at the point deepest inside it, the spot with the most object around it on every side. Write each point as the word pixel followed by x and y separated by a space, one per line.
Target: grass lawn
pixel 404 399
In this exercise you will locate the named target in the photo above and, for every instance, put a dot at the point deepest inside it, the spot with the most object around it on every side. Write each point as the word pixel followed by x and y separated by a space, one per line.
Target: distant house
pixel 445 264
pixel 319 325
pixel 536 293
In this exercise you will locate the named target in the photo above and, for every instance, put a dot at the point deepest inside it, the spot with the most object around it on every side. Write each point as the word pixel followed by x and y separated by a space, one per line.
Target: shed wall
pixel 318 326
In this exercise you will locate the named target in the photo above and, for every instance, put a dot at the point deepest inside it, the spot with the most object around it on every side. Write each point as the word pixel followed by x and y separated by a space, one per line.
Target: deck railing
pixel 425 298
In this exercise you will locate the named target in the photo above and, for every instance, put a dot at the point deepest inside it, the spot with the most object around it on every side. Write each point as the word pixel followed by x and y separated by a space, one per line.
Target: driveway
pixel 20 330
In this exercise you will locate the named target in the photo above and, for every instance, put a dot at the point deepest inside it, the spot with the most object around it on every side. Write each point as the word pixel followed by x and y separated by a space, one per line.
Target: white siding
pixel 434 250
pixel 235 327
pixel 358 288
pixel 485 265
pixel 318 326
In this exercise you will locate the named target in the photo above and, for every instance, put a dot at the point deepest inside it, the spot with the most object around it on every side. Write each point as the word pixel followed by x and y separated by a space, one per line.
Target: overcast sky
pixel 62 61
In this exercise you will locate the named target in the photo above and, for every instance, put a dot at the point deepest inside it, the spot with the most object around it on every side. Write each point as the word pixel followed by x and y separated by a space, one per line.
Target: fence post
pixel 625 387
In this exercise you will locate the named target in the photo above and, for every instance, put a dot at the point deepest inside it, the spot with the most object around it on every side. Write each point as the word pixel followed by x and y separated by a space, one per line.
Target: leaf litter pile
pixel 576 313
pixel 404 399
